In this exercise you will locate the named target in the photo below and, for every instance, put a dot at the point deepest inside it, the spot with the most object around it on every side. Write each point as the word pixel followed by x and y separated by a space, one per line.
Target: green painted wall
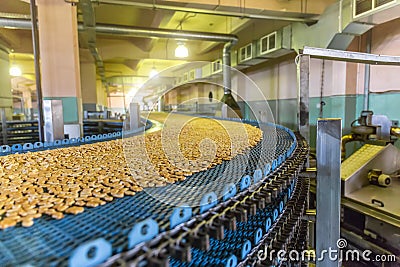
pixel 70 108
pixel 348 108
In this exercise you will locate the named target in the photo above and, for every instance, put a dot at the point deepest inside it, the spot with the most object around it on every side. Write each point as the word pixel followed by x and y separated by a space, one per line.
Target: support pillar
pixel 59 50
pixel 88 85
pixel 6 100
pixel 329 133
pixel 303 96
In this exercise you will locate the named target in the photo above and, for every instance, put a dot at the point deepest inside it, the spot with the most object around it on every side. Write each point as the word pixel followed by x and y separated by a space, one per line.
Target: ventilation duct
pixel 275 44
pixel 342 21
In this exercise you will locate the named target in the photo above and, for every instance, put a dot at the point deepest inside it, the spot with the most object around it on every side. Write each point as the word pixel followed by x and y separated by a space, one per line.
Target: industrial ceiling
pixel 134 56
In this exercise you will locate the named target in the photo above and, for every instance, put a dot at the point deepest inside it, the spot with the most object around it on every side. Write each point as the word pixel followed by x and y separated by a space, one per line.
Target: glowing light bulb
pixel 181 51
pixel 15 71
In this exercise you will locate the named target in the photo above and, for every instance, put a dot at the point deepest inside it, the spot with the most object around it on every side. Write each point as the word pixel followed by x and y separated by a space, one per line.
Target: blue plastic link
pixel 229 191
pixel 208 201
pixel 5 149
pixel 142 231
pixel 245 182
pixel 91 253
pixel 65 142
pixel 180 215
pixel 16 147
pixel 57 143
pixel 28 146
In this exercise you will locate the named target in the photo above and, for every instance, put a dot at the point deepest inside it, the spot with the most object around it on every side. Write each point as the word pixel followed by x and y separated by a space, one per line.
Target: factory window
pixel 379 3
pixel 245 52
pixel 191 75
pixel 185 77
pixel 271 41
pixel 363 6
pixel 268 43
pixel 216 66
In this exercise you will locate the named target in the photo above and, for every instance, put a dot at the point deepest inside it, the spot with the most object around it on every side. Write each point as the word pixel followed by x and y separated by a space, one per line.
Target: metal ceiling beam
pixel 203 11
pixel 349 56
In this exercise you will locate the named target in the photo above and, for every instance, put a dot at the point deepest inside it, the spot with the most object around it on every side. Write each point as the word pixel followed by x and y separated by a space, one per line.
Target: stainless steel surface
pixel 36 56
pixel 385 231
pixel 389 196
pixel 206 11
pixel 329 132
pixel 374 213
pixel 3 125
pixel 54 121
pixel 351 56
pixel 303 97
pixel 367 74
pixel 355 169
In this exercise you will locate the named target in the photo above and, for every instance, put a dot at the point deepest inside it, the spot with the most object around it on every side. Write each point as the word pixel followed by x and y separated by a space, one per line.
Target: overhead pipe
pixel 108 29
pixel 205 11
pixel 15 23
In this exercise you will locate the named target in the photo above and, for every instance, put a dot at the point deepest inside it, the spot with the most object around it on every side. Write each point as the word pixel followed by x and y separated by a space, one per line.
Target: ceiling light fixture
pixel 153 72
pixel 15 71
pixel 181 51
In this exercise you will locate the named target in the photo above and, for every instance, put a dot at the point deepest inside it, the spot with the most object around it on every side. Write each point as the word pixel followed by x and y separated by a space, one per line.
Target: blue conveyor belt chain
pixel 267 214
pixel 224 233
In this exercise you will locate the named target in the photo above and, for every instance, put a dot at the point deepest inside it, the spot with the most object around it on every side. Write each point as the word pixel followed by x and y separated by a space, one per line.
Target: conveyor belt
pixel 51 243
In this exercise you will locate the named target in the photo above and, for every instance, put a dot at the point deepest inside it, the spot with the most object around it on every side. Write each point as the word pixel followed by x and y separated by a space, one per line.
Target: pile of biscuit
pixel 68 180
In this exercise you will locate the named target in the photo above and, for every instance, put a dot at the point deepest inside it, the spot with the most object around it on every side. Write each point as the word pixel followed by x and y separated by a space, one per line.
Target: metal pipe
pixel 367 74
pixel 347 139
pixel 205 11
pixel 36 55
pixel 107 29
pixel 226 68
pixel 15 23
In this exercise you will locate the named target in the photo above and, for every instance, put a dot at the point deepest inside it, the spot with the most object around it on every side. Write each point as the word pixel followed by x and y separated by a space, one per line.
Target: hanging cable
pixel 321 102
